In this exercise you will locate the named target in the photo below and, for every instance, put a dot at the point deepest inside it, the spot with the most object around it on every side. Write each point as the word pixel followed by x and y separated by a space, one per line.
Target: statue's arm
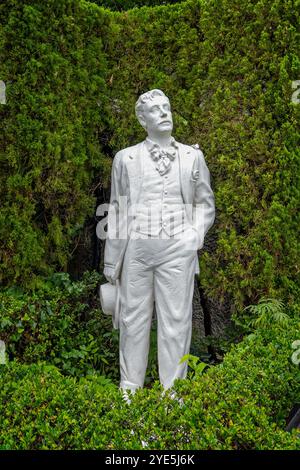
pixel 204 201
pixel 114 239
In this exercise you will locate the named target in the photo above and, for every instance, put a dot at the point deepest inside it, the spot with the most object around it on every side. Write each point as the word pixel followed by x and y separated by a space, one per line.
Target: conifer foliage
pixel 73 71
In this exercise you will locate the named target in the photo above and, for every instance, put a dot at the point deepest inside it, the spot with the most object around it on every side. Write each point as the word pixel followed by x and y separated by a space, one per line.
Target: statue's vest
pixel 161 206
pixel 130 178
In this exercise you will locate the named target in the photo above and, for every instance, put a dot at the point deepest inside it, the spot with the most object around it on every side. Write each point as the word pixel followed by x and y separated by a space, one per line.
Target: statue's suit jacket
pixel 127 178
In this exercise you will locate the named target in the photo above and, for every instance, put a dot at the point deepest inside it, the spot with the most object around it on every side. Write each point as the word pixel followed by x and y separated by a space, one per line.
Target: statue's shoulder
pixel 191 149
pixel 123 155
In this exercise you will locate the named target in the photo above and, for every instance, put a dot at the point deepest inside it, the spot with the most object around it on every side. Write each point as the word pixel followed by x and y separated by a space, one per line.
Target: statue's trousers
pixel 161 271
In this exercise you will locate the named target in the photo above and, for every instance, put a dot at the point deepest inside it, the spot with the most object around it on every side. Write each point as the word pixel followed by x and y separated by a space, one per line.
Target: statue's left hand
pixel 109 273
pixel 192 238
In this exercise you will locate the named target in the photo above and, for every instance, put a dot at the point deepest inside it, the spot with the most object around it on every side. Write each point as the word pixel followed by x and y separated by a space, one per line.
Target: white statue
pixel 168 208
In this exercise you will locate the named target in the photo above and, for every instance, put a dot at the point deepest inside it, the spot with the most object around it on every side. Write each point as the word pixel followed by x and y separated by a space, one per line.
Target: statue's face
pixel 157 115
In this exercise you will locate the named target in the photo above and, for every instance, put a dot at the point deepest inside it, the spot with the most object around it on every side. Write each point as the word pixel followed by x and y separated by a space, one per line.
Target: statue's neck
pixel 163 140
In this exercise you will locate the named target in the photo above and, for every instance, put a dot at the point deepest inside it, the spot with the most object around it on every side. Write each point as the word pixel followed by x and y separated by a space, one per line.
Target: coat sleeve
pixel 117 233
pixel 204 201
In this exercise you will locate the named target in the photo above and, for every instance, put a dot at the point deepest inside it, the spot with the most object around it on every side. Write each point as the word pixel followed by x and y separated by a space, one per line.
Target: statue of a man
pixel 166 186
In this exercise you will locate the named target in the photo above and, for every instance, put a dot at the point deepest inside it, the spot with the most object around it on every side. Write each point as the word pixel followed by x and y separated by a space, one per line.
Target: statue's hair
pixel 144 98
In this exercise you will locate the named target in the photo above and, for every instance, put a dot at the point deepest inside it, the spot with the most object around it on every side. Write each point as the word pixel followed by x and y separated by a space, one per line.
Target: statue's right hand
pixel 109 273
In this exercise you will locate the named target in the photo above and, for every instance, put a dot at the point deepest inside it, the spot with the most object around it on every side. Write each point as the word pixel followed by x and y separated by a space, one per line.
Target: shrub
pixel 240 404
pixel 51 155
pixel 120 5
pixel 228 67
pixel 62 324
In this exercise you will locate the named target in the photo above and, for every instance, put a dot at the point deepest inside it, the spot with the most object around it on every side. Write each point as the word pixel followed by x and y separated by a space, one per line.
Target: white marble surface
pixel 166 186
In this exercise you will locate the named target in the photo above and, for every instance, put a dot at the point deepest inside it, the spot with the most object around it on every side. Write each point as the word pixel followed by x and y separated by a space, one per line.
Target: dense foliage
pixel 228 68
pixel 240 404
pixel 73 71
pixel 50 149
pixel 120 5
pixel 61 324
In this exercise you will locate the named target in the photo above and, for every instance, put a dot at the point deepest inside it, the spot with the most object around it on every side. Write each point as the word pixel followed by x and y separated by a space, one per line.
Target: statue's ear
pixel 142 121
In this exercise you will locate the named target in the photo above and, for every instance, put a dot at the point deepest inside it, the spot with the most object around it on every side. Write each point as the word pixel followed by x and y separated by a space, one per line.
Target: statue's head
pixel 153 111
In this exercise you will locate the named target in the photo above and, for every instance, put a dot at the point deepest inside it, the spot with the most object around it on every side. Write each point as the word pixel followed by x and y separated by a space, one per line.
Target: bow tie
pixel 163 157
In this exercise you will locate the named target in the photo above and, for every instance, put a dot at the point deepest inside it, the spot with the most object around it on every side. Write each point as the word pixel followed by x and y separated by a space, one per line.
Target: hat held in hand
pixel 108 297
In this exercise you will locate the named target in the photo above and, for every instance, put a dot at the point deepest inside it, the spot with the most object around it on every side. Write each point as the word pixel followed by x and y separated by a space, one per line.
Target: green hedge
pixel 120 5
pixel 73 72
pixel 240 404
pixel 228 68
pixel 61 324
pixel 54 69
